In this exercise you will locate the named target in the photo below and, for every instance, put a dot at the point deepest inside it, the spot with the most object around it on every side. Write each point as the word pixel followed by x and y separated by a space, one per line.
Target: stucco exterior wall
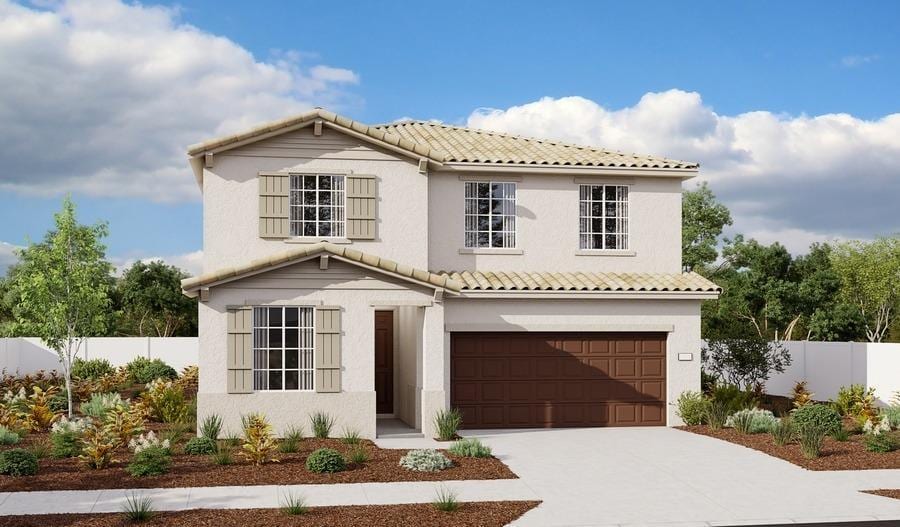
pixel 680 317
pixel 231 202
pixel 356 291
pixel 547 226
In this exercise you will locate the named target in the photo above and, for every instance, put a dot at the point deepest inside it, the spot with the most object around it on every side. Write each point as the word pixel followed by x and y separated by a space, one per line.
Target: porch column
pixel 435 367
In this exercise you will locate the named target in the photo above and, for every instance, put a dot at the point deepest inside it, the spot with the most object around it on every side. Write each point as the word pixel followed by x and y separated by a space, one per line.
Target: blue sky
pixel 758 92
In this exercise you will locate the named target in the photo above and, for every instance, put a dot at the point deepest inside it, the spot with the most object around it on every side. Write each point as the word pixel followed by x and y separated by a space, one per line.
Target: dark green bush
pixel 143 370
pixel 325 460
pixel 65 444
pixel 818 415
pixel 881 443
pixel 733 398
pixel 200 446
pixel 18 462
pixel 150 461
pixel 91 369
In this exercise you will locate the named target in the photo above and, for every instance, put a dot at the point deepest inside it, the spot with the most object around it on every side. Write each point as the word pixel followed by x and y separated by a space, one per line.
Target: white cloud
pixel 103 97
pixel 8 256
pixel 789 178
pixel 852 61
pixel 191 262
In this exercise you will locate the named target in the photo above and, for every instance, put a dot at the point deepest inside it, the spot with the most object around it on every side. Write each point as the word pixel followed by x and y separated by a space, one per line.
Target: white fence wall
pixel 28 355
pixel 826 366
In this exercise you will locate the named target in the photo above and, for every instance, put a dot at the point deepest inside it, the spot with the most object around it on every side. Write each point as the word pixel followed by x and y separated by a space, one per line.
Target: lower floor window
pixel 283 348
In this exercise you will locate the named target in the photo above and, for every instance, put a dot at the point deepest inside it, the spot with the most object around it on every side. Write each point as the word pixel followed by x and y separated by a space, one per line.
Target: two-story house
pixel 396 270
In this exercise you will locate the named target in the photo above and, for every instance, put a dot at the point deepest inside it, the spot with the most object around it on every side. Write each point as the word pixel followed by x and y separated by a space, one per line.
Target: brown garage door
pixel 543 380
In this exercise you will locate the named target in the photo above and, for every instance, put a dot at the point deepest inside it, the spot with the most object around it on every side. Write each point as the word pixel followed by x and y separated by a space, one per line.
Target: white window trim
pixel 283 362
pixel 493 250
pixel 627 251
pixel 315 239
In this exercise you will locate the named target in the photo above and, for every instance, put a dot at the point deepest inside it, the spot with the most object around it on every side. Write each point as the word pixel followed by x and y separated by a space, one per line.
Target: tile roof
pixel 612 282
pixel 352 255
pixel 442 143
pixel 468 145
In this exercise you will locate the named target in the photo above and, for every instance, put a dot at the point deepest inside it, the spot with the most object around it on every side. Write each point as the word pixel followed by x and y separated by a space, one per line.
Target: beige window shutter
pixel 362 197
pixel 274 209
pixel 240 350
pixel 328 349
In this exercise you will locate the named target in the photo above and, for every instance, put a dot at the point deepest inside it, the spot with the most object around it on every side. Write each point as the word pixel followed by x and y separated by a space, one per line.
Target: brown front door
pixel 384 362
pixel 545 380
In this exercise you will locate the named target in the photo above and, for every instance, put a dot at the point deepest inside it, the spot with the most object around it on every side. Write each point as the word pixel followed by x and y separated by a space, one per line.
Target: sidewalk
pixel 262 496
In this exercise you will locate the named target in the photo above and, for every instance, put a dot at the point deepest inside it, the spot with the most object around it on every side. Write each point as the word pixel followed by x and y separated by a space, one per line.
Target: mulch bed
pixel 835 455
pixel 200 471
pixel 483 514
pixel 887 493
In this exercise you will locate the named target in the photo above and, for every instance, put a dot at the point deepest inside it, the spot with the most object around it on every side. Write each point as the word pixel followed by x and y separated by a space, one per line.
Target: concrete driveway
pixel 664 476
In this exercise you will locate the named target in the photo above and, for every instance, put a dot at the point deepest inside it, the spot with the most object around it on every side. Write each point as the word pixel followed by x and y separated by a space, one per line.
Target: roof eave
pixel 583 294
pixel 679 173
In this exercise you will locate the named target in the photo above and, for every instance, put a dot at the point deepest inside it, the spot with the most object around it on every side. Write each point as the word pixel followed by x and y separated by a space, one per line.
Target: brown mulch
pixel 835 455
pixel 482 514
pixel 887 493
pixel 200 471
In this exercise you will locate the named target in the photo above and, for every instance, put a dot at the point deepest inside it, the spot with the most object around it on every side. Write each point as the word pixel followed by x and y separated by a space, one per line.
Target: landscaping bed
pixel 200 471
pixel 484 514
pixel 835 455
pixel 887 493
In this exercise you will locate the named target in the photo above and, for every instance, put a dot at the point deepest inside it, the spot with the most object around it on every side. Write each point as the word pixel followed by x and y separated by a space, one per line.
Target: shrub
pixel 232 440
pixel 783 431
pixel 470 447
pixel 138 508
pixel 445 500
pixel 293 504
pixel 291 441
pixel 143 370
pixel 733 398
pixel 18 462
pixel 321 424
pixel 100 403
pixel 801 395
pixel 177 432
pixel 124 421
pixel 425 460
pixel 716 414
pixel 692 407
pixel 8 437
pixel 166 401
pixel 38 414
pixel 325 460
pixel 222 457
pixel 350 437
pixel 98 447
pixel 40 449
pixel 881 443
pixel 259 444
pixel 841 434
pixel 893 415
pixel 745 363
pixel 447 423
pixel 811 437
pixel 148 440
pixel 65 444
pixel 817 416
pixel 200 446
pixel 211 427
pixel 91 369
pixel 150 461
pixel 755 421
pixel 852 400
pixel 358 455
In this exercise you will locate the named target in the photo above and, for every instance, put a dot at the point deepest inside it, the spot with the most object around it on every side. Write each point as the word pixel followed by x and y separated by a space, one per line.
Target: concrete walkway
pixel 667 477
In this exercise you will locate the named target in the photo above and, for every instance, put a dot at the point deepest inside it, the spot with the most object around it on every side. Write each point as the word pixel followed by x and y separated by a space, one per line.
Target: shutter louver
pixel 274 208
pixel 362 197
pixel 240 350
pixel 328 349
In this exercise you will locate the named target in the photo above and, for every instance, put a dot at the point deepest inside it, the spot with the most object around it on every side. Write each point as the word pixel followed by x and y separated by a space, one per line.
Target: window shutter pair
pixel 327 349
pixel 274 205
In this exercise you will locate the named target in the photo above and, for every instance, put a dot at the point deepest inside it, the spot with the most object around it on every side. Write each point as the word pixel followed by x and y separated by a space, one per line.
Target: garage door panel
pixel 516 380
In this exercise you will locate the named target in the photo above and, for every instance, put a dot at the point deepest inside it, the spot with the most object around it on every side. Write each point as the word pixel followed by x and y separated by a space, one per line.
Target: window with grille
pixel 283 348
pixel 490 214
pixel 603 217
pixel 317 205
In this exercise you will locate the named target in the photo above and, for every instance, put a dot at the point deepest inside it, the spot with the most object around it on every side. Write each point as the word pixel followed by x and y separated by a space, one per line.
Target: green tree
pixel 826 316
pixel 61 287
pixel 702 221
pixel 152 303
pixel 870 280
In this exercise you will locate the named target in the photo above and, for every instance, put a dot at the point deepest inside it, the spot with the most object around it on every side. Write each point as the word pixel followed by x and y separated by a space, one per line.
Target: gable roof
pixel 440 144
pixel 578 281
pixel 190 286
pixel 469 145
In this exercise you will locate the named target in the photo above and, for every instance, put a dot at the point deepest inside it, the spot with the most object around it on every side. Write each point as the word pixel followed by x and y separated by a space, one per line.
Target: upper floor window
pixel 283 348
pixel 490 214
pixel 317 205
pixel 603 217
